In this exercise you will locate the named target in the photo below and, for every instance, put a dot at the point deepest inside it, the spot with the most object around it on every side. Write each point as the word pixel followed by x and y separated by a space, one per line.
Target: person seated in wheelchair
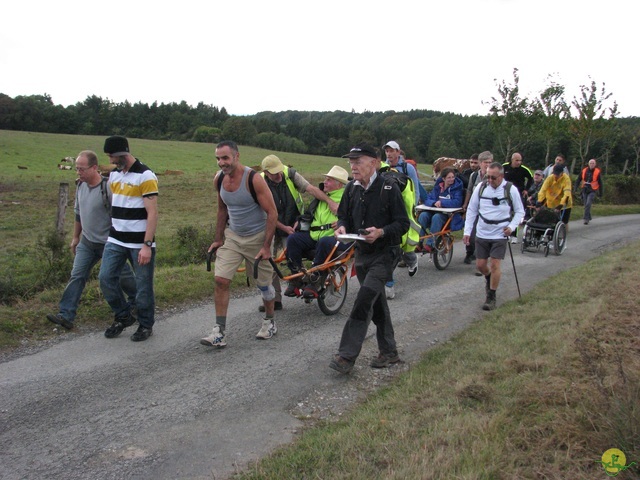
pixel 314 231
pixel 555 193
pixel 448 192
pixel 530 196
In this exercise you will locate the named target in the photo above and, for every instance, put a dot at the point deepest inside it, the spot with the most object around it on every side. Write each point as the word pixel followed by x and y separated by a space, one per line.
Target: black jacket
pixel 380 206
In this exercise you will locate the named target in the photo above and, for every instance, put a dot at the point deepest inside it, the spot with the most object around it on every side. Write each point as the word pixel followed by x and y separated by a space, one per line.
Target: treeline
pixel 539 127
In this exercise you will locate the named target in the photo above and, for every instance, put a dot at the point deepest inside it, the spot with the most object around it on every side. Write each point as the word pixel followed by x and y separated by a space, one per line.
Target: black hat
pixel 558 169
pixel 116 146
pixel 361 150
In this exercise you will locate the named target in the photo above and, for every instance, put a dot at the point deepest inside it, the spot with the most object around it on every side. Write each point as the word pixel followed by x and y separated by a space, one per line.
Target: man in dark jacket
pixel 374 208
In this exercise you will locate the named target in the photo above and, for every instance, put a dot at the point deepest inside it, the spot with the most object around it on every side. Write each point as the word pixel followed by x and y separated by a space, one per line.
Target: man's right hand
pixel 74 243
pixel 214 246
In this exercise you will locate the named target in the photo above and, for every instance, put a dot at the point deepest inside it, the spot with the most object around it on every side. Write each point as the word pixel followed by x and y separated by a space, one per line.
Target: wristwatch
pixel 148 243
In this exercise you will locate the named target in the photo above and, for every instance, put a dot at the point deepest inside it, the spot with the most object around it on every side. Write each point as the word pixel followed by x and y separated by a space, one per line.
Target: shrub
pixel 192 243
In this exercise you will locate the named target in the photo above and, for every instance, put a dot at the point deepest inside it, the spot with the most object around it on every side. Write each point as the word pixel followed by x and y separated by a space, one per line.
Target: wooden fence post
pixel 63 199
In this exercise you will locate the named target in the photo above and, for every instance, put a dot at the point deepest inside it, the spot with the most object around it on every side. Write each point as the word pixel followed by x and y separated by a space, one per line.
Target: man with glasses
pixel 498 209
pixel 92 211
pixel 374 208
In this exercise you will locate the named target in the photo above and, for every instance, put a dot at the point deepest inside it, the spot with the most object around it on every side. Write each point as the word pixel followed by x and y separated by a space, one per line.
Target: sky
pixel 253 56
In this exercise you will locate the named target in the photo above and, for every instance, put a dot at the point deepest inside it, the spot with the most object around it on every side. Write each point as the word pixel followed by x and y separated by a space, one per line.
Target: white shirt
pixel 483 209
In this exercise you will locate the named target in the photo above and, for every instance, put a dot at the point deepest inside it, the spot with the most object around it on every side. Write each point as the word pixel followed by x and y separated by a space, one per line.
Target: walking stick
pixel 514 267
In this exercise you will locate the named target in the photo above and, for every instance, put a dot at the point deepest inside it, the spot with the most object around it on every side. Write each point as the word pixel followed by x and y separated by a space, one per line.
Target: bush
pixel 49 266
pixel 192 243
pixel 621 189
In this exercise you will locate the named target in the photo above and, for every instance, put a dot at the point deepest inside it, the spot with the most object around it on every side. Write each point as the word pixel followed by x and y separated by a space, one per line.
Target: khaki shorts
pixel 237 249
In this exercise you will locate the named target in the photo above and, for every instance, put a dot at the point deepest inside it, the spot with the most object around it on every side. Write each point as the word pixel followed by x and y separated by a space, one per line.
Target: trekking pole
pixel 514 267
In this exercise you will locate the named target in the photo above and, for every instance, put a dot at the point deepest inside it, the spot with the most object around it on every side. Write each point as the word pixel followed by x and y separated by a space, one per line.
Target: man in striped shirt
pixel 134 218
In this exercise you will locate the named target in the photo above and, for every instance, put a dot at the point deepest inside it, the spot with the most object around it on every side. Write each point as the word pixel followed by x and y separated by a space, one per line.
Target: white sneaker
pixel 413 270
pixel 390 292
pixel 514 239
pixel 216 339
pixel 268 329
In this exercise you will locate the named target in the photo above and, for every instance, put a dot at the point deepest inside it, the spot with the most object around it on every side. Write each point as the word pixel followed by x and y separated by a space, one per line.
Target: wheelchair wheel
pixel 559 238
pixel 444 251
pixel 525 239
pixel 331 299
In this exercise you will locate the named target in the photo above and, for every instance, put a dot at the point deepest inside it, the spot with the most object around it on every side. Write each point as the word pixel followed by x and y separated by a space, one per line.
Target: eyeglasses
pixel 493 177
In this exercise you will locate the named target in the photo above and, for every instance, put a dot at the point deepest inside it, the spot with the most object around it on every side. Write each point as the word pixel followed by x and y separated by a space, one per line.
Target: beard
pixel 121 162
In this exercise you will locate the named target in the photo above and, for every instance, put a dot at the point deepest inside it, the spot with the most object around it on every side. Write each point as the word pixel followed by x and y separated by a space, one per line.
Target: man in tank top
pixel 245 226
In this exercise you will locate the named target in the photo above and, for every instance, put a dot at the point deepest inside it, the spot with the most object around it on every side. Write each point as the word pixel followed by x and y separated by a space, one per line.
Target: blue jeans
pixel 113 260
pixel 433 222
pixel 87 255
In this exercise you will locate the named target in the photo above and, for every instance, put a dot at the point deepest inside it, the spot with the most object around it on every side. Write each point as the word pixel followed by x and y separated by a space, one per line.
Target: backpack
pixel 410 239
pixel 507 197
pixel 252 189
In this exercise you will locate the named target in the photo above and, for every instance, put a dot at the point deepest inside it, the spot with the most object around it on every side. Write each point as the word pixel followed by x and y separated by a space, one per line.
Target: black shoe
pixel 141 334
pixel 310 292
pixel 341 365
pixel 60 320
pixel 277 306
pixel 490 302
pixel 467 260
pixel 119 325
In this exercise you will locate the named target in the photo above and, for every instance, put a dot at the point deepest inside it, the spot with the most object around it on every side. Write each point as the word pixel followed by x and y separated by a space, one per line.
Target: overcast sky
pixel 252 56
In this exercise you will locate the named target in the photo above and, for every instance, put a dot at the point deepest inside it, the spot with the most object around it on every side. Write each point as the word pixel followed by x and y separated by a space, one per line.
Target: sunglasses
pixel 493 177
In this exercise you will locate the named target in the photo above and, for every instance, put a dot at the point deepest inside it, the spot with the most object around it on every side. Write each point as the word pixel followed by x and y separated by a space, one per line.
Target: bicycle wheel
pixel 559 238
pixel 444 251
pixel 331 299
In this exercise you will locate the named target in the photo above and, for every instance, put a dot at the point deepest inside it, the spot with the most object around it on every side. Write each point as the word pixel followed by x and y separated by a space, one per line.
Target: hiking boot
pixel 384 360
pixel 60 320
pixel 267 330
pixel 487 285
pixel 141 334
pixel 292 290
pixel 310 292
pixel 119 325
pixel 467 259
pixel 390 292
pixel 216 339
pixel 276 306
pixel 490 302
pixel 413 270
pixel 341 365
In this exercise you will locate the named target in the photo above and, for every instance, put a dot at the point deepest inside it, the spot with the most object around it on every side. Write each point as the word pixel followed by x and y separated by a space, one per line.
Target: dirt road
pixel 92 408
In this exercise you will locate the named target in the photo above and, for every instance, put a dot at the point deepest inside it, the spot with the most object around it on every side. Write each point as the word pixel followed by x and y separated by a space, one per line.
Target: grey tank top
pixel 246 217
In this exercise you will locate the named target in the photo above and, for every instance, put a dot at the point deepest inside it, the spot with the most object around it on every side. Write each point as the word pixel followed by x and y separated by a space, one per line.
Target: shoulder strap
pixel 252 189
pixel 104 187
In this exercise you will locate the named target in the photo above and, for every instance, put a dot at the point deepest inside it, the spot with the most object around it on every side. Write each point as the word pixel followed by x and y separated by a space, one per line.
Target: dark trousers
pixel 471 248
pixel 372 270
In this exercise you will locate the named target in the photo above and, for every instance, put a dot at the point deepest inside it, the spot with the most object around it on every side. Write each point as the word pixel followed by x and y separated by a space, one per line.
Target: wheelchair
pixel 544 229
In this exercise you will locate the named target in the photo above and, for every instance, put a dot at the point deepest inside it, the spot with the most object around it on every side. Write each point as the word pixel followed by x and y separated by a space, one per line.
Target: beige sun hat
pixel 272 164
pixel 339 174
